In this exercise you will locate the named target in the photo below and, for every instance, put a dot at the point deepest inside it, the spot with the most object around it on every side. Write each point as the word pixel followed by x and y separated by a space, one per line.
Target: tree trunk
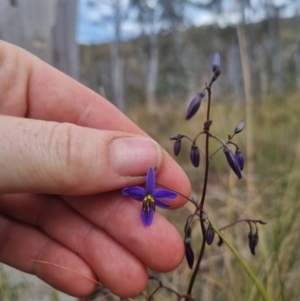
pixel 117 63
pixel 44 28
pixel 152 72
pixel 65 48
pixel 273 21
pixel 28 24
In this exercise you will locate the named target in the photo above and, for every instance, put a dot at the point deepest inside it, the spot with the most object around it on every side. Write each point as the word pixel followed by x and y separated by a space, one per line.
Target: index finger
pixel 31 88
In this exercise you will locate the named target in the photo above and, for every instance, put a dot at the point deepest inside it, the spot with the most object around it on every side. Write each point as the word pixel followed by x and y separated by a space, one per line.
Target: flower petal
pixel 163 194
pixel 147 217
pixel 161 204
pixel 150 182
pixel 136 192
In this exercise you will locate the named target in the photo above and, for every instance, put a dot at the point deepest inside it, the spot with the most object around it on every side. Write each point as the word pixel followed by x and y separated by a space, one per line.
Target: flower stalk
pixel 250 273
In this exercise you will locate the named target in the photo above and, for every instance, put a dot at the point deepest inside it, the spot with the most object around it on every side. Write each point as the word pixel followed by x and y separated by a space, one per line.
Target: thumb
pixel 61 158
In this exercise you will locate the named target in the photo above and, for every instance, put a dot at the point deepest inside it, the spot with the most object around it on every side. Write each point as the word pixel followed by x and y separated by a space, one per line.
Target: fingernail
pixel 132 156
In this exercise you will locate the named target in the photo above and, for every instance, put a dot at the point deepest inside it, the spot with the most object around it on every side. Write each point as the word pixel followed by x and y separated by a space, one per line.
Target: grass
pixel 276 129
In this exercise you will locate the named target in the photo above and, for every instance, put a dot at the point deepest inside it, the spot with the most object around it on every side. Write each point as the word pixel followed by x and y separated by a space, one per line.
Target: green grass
pixel 276 130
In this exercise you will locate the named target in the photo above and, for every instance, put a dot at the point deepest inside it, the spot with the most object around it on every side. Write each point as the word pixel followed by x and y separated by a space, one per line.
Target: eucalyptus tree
pixel 148 18
pixel 114 12
pixel 157 18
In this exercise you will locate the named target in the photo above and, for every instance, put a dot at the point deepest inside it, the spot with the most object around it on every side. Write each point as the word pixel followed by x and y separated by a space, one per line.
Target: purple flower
pixel 150 197
pixel 194 105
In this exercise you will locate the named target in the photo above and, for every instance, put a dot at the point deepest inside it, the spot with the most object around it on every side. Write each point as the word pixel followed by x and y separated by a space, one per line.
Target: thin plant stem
pixel 250 273
pixel 67 269
pixel 200 256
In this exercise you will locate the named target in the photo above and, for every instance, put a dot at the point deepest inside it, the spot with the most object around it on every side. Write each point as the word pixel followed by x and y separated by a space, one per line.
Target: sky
pixel 95 24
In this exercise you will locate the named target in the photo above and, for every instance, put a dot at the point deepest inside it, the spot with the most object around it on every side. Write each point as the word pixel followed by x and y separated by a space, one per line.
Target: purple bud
pixel 240 159
pixel 194 105
pixel 195 155
pixel 210 234
pixel 253 240
pixel 216 64
pixel 177 147
pixel 187 230
pixel 189 254
pixel 220 242
pixel 232 161
pixel 239 127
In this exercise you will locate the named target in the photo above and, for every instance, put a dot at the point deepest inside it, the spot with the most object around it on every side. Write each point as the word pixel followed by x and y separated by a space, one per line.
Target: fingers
pixel 60 158
pixel 159 246
pixel 31 88
pixel 20 244
pixel 111 262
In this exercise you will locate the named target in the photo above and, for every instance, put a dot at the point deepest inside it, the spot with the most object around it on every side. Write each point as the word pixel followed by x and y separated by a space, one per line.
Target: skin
pixel 60 195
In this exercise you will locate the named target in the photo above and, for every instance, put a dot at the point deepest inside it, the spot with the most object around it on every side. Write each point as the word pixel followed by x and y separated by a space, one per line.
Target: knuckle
pixel 70 148
pixel 13 78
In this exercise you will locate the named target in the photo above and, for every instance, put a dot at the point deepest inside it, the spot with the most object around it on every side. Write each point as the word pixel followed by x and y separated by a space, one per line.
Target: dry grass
pixel 276 129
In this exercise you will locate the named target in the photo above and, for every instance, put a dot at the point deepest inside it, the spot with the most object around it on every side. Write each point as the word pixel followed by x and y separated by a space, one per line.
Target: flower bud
pixel 207 125
pixel 177 147
pixel 220 242
pixel 239 158
pixel 189 254
pixel 232 161
pixel 195 155
pixel 253 240
pixel 187 230
pixel 216 64
pixel 239 127
pixel 210 234
pixel 194 105
pixel 262 222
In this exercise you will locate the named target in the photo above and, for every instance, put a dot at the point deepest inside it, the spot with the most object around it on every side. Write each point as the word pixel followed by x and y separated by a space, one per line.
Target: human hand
pixel 64 154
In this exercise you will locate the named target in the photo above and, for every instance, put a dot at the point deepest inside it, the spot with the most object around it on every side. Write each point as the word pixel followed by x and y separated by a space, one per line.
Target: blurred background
pixel 149 58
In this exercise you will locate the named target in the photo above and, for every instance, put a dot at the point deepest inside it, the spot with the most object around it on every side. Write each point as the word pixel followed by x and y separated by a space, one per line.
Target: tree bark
pixel 116 60
pixel 152 71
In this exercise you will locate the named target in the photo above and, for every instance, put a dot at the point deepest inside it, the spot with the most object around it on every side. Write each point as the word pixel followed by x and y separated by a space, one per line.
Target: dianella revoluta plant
pixel 200 158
